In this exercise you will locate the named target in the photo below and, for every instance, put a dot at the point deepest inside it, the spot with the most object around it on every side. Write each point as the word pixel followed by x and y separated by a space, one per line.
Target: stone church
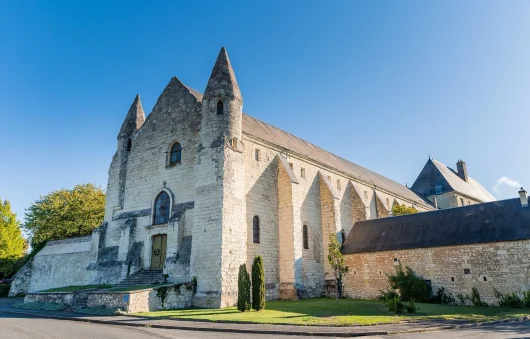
pixel 197 188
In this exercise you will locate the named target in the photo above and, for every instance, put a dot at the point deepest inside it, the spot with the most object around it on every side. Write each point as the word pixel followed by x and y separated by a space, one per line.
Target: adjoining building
pixel 447 188
pixel 198 188
pixel 483 245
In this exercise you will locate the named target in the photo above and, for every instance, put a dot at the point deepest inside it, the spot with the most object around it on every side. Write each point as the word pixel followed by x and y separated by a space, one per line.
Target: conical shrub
pixel 258 284
pixel 243 289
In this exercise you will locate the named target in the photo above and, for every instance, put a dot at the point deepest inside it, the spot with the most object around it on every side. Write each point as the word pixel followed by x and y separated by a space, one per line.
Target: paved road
pixel 21 327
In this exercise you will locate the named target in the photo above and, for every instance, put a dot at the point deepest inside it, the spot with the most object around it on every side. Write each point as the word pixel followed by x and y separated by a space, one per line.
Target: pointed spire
pixel 223 81
pixel 135 117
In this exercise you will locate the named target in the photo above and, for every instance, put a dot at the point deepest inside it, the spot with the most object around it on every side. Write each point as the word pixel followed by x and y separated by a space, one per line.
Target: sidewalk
pixel 351 331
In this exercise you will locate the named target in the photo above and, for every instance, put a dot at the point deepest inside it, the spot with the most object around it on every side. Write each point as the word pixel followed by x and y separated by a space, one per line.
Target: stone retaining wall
pixel 67 298
pixel 154 299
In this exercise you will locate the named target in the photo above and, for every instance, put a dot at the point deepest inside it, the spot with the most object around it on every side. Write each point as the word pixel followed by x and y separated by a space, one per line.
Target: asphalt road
pixel 21 327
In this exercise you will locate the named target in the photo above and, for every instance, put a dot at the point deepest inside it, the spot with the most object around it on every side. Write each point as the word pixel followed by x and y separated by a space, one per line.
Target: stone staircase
pixel 81 302
pixel 143 277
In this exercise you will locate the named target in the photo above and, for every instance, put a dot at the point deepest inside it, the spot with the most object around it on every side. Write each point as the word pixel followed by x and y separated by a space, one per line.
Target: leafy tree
pixel 12 244
pixel 336 260
pixel 398 209
pixel 243 289
pixel 258 284
pixel 65 213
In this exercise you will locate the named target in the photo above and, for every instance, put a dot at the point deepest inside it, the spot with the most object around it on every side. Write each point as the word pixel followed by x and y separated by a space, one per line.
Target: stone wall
pixel 65 298
pixel 148 300
pixel 63 263
pixel 503 265
pixel 21 280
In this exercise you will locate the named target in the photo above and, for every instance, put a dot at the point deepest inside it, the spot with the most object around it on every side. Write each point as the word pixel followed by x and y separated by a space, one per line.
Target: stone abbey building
pixel 198 188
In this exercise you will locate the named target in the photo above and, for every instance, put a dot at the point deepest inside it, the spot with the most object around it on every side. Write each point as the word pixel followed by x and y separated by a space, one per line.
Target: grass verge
pixel 347 312
pixel 98 310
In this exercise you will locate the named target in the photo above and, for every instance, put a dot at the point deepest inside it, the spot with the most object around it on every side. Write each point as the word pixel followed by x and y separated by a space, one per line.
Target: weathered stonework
pixel 233 167
pixel 502 265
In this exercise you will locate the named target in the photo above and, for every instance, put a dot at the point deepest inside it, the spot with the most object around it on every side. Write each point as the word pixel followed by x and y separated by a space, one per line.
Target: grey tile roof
pixel 278 137
pixel 496 221
pixel 471 188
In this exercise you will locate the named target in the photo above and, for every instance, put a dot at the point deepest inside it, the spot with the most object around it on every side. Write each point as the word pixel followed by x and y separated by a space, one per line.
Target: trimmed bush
pixel 395 305
pixel 410 285
pixel 4 290
pixel 258 284
pixel 243 289
pixel 410 306
pixel 388 294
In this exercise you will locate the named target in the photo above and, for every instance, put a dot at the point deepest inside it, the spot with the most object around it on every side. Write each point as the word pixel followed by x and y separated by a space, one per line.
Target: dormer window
pixel 175 154
pixel 220 107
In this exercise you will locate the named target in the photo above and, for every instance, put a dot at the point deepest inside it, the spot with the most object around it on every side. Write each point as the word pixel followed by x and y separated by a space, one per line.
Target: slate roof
pixel 496 221
pixel 278 137
pixel 471 188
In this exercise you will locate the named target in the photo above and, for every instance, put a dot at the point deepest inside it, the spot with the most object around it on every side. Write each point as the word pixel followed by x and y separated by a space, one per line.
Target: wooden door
pixel 158 253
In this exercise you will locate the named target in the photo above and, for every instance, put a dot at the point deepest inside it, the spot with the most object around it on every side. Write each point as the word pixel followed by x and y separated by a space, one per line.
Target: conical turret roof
pixel 135 117
pixel 223 81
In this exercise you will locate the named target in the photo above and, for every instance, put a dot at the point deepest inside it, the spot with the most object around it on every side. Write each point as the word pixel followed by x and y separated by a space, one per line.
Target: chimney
pixel 523 197
pixel 461 169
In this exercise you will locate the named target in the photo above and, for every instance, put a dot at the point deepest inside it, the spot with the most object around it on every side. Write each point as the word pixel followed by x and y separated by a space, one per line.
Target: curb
pixel 271 331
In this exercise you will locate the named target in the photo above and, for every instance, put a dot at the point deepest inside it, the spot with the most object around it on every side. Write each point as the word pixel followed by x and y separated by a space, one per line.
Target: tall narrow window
pixel 256 155
pixel 175 156
pixel 306 237
pixel 220 107
pixel 161 215
pixel 129 145
pixel 338 185
pixel 302 172
pixel 255 229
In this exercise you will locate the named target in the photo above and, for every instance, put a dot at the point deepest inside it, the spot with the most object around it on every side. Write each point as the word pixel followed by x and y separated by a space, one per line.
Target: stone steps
pixel 144 277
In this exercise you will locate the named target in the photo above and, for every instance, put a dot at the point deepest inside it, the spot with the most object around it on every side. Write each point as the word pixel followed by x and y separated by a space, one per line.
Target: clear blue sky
pixel 381 83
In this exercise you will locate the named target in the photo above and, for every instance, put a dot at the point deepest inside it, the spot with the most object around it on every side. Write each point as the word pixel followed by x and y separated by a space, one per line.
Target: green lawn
pixel 76 288
pixel 322 311
pixel 134 288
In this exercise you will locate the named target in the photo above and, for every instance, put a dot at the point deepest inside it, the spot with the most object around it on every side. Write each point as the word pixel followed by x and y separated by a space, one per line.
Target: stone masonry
pixel 233 167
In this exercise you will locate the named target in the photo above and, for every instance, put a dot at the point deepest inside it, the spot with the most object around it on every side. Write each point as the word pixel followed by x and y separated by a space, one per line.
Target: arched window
pixel 306 237
pixel 255 229
pixel 129 145
pixel 175 155
pixel 220 107
pixel 161 215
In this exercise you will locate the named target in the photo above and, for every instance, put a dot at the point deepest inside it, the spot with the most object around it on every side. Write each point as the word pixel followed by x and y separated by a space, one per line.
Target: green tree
pixel 398 209
pixel 336 260
pixel 65 213
pixel 12 243
pixel 243 289
pixel 258 284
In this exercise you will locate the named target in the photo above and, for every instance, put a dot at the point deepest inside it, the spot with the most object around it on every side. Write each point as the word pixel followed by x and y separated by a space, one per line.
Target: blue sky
pixel 381 83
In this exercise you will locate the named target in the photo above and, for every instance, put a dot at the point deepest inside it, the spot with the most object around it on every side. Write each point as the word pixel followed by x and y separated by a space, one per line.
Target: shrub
pixel 388 294
pixel 526 299
pixel 462 298
pixel 511 300
pixel 443 296
pixel 4 290
pixel 410 285
pixel 258 284
pixel 395 305
pixel 243 289
pixel 410 306
pixel 475 298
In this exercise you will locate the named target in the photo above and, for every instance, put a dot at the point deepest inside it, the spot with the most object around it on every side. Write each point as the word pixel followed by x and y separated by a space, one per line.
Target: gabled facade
pixel 447 188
